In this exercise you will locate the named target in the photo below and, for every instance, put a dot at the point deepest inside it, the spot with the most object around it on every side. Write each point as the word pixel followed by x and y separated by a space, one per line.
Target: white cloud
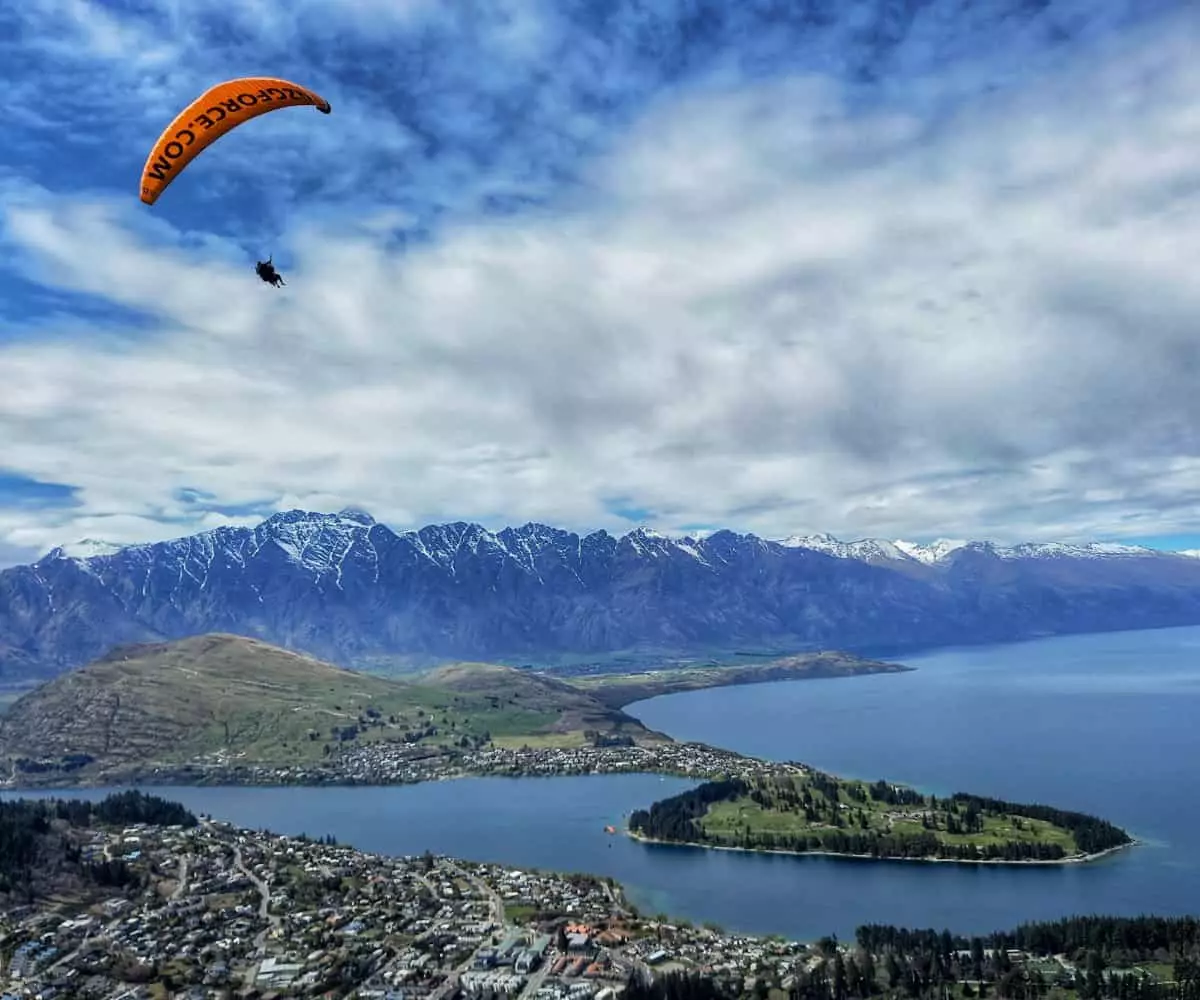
pixel 766 310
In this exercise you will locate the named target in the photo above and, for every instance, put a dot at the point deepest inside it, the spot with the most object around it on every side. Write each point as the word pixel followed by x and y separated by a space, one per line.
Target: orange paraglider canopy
pixel 217 111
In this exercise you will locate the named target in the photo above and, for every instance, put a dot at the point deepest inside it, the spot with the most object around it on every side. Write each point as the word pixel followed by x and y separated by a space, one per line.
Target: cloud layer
pixel 918 277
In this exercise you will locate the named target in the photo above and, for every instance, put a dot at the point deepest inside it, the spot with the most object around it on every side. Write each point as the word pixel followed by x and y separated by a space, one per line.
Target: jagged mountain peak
pixel 318 542
pixel 536 529
pixel 864 549
pixel 86 548
pixel 647 538
pixel 307 535
pixel 356 514
pixel 348 516
pixel 454 536
pixel 934 552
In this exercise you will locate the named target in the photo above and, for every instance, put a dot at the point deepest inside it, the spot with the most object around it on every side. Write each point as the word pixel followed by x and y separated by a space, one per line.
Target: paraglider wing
pixel 214 113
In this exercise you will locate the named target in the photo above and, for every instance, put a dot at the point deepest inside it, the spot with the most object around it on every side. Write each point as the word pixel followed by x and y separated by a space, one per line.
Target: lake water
pixel 1108 724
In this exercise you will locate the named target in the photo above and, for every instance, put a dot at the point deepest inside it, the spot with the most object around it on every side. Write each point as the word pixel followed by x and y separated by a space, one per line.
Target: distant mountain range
pixel 352 591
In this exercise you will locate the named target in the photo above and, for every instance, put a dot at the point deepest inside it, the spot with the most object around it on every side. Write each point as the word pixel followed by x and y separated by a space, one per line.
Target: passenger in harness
pixel 266 271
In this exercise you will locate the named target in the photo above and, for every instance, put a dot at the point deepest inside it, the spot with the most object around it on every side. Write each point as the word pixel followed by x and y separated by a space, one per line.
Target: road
pixel 111 926
pixel 498 916
pixel 451 981
pixel 72 956
pixel 424 880
pixel 107 931
pixel 450 985
pixel 264 901
pixel 182 877
pixel 617 899
pixel 497 905
pixel 538 977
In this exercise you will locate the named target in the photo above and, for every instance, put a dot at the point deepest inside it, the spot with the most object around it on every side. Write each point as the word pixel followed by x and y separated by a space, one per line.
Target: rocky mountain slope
pixel 349 590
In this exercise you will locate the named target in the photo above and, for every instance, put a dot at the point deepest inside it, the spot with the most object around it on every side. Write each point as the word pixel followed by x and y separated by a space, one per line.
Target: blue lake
pixel 1108 724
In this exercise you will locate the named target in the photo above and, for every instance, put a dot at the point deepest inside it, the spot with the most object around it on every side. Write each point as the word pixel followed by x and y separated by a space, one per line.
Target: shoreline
pixel 1077 859
pixel 138 782
pixel 132 781
pixel 513 763
pixel 165 783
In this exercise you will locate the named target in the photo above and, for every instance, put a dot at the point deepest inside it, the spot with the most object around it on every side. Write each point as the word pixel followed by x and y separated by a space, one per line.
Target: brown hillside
pixel 224 697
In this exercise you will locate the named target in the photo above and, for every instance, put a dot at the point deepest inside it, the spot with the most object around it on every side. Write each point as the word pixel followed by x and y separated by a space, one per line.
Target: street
pixel 498 915
pixel 264 905
pixel 182 877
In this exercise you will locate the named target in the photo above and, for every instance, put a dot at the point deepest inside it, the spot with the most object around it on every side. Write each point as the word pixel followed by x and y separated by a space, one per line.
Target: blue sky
pixel 910 270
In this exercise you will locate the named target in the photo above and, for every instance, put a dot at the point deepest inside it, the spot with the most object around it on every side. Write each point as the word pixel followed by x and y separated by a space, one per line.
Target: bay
pixel 1103 723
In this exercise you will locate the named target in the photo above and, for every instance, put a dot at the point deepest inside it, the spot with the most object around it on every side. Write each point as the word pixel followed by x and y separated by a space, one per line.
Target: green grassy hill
pixel 225 697
pixel 533 709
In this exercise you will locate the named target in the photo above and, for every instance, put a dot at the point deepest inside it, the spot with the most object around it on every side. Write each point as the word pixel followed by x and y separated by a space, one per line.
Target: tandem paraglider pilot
pixel 266 271
pixel 216 112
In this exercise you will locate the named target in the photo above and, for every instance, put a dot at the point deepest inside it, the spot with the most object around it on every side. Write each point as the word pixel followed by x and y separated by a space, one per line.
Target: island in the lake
pixel 802 811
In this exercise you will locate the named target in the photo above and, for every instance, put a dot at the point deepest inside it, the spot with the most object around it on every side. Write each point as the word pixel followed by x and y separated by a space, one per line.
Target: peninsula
pixel 225 709
pixel 798 810
pixel 618 690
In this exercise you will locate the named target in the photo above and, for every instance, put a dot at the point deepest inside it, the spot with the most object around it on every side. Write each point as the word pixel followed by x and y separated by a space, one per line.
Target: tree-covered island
pixel 810 812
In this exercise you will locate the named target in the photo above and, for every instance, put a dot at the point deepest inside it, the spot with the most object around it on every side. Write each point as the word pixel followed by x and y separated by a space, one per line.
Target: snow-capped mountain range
pixel 292 533
pixel 346 588
pixel 878 550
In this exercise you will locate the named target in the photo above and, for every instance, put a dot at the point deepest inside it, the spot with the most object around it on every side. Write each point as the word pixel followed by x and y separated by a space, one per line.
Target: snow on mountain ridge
pixel 940 550
pixel 318 546
pixel 874 549
pixel 321 544
pixel 87 548
pixel 648 541
pixel 1086 550
pixel 935 552
pixel 313 541
pixel 864 549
